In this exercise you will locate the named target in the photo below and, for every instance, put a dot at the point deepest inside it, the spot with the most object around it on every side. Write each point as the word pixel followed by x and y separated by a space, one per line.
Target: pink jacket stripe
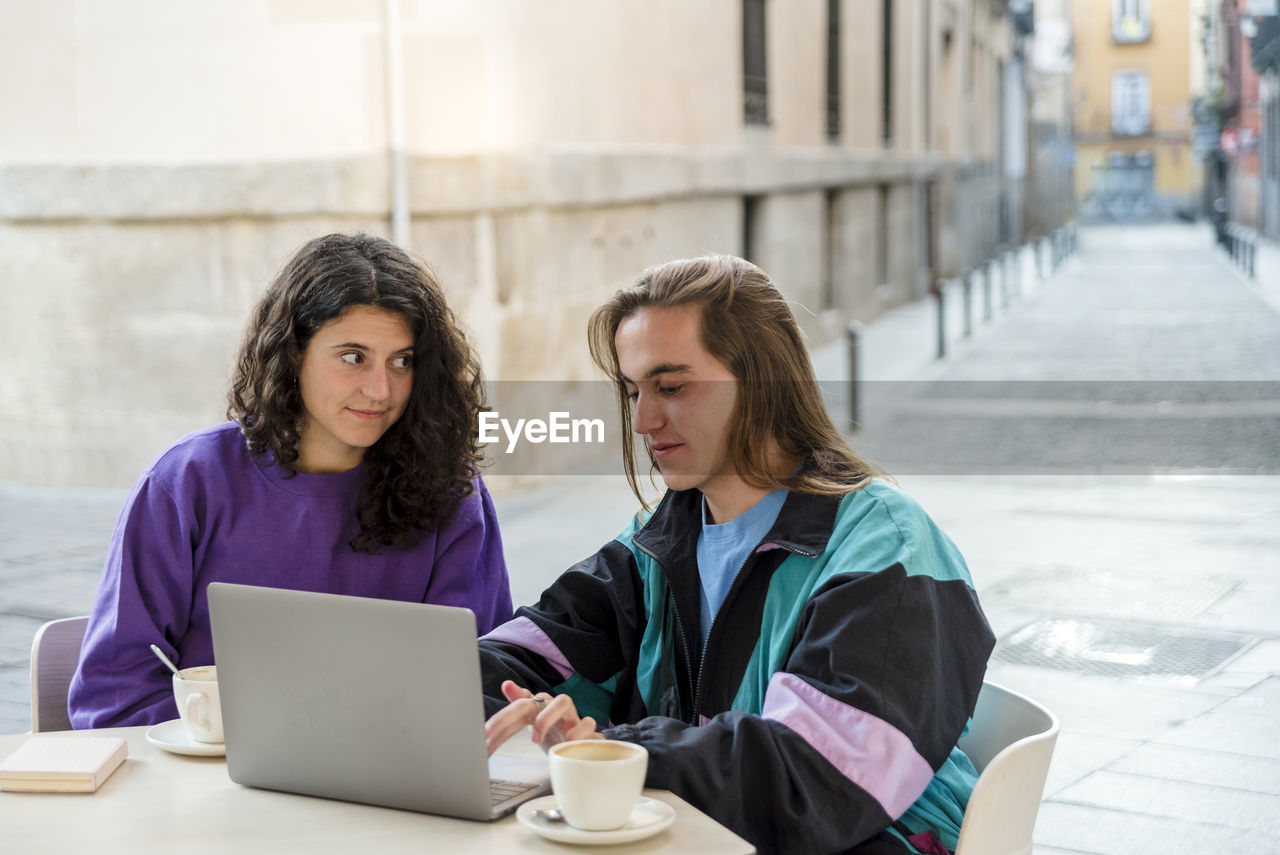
pixel 868 751
pixel 523 632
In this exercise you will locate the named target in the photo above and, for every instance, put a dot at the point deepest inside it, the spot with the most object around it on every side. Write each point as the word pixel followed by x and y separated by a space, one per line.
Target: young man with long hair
pixel 795 642
pixel 349 466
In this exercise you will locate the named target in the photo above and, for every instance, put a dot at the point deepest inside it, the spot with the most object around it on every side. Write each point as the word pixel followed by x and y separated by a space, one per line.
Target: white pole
pixel 396 161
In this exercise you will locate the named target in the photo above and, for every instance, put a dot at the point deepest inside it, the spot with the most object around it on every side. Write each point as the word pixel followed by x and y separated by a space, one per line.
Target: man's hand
pixel 552 719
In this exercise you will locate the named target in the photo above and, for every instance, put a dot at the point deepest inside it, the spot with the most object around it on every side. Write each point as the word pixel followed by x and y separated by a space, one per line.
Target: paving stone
pixel 54 592
pixel 1076 755
pixel 1118 832
pixel 1139 794
pixel 16 634
pixel 1231 732
pixel 15 725
pixel 1198 766
pixel 1222 550
pixel 1127 593
pixel 1252 607
pixel 1231 682
pixel 1262 659
pixel 1107 706
pixel 14 683
pixel 14 717
pixel 1267 691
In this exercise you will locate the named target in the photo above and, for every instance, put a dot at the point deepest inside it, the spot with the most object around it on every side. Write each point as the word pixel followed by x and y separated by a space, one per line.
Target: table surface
pixel 162 802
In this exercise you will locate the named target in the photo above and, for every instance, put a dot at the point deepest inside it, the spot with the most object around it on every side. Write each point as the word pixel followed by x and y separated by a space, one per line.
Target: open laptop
pixel 364 700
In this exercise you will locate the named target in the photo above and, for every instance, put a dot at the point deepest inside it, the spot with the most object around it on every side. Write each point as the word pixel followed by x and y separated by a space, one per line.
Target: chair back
pixel 1011 742
pixel 55 652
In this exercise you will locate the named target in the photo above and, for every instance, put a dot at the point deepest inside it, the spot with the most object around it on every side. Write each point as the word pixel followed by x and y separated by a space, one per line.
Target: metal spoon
pixel 549 814
pixel 165 659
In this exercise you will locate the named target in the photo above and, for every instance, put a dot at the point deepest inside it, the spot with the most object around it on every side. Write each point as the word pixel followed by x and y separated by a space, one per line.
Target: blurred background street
pixel 1054 227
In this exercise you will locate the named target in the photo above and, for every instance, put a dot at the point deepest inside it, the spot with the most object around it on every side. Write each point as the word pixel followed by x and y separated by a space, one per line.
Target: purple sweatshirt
pixel 207 511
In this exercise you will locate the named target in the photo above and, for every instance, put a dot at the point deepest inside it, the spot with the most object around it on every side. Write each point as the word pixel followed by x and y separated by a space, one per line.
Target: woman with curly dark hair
pixel 349 466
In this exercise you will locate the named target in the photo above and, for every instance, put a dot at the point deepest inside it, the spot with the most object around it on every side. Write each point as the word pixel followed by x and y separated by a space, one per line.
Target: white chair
pixel 55 652
pixel 1011 742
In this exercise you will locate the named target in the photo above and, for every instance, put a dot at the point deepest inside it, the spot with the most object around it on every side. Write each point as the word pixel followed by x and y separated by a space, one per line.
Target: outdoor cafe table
pixel 162 802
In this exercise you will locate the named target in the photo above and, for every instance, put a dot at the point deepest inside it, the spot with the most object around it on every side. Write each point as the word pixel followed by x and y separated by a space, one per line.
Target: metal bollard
pixel 939 294
pixel 1015 267
pixel 966 281
pixel 1015 271
pixel 1002 262
pixel 986 291
pixel 853 335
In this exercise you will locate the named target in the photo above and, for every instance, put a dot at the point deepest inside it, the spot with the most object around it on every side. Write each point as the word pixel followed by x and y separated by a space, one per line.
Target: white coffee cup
pixel 597 781
pixel 196 692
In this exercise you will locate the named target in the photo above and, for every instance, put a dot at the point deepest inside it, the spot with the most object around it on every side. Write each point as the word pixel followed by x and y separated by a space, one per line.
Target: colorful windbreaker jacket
pixel 836 679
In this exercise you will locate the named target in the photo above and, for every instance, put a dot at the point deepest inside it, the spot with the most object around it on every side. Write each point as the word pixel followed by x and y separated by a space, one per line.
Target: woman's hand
pixel 552 719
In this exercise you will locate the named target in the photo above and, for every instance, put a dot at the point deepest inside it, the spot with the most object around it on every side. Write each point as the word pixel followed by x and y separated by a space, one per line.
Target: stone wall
pixel 126 288
pixel 172 156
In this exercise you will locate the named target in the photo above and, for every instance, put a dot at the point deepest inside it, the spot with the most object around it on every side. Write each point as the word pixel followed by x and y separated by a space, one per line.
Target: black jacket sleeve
pixel 591 618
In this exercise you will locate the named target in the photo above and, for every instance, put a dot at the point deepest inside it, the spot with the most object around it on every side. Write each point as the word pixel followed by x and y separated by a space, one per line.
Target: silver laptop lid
pixel 351 698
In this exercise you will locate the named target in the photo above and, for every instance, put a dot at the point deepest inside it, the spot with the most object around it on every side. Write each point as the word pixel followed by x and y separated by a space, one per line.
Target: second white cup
pixel 196 692
pixel 597 781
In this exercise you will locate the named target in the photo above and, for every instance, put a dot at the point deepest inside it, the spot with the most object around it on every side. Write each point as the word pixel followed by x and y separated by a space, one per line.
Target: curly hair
pixel 747 325
pixel 416 473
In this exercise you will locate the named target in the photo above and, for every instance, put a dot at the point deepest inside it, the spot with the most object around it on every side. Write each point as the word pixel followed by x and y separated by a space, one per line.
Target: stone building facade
pixel 160 160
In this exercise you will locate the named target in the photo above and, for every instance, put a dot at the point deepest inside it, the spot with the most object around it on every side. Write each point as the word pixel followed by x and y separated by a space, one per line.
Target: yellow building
pixel 1133 86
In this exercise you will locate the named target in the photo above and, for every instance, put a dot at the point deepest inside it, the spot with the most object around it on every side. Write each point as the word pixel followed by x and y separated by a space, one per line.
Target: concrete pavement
pixel 1134 585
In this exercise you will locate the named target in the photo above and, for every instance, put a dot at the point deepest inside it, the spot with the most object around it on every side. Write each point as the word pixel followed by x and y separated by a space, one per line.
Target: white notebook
pixel 62 764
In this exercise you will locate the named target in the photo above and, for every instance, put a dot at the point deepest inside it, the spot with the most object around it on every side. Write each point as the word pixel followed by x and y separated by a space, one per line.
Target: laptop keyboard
pixel 500 791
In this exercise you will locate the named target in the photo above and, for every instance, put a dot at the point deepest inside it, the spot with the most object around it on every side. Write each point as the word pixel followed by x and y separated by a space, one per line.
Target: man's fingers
pixel 514 692
pixel 506 722
pixel 552 719
pixel 584 729
pixel 498 731
pixel 559 713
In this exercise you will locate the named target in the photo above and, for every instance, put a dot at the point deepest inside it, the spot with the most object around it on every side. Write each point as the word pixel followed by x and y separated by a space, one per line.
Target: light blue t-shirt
pixel 723 549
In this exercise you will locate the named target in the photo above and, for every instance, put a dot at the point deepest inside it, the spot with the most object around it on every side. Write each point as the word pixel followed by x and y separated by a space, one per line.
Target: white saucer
pixel 172 736
pixel 647 818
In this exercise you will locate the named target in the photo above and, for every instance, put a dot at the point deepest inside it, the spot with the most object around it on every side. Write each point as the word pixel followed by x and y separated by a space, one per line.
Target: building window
pixel 833 69
pixel 831 241
pixel 755 80
pixel 886 72
pixel 1130 20
pixel 1130 103
pixel 750 227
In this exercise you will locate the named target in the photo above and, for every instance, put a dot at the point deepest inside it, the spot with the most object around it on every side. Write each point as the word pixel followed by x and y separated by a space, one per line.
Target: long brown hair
pixel 417 471
pixel 747 325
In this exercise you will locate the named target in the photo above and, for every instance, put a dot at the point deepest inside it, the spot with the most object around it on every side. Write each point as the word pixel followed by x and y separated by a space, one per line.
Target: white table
pixel 165 803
